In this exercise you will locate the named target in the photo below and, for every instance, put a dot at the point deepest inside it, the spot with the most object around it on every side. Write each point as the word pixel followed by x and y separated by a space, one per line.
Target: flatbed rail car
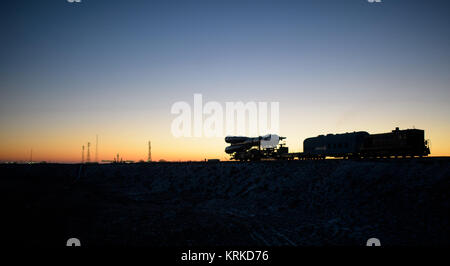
pixel 361 144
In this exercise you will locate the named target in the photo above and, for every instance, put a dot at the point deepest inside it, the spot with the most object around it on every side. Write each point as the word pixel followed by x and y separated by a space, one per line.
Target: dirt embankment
pixel 333 202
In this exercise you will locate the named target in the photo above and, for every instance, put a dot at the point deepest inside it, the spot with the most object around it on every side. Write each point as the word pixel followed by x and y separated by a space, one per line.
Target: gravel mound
pixel 289 203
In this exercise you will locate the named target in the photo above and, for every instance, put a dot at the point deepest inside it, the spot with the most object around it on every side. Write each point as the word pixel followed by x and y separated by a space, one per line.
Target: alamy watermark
pixel 213 120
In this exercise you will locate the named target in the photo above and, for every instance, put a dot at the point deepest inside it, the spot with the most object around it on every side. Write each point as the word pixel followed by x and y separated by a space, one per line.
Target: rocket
pixel 240 143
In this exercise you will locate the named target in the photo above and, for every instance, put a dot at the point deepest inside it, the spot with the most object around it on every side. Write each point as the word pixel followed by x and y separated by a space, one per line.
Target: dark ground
pixel 298 203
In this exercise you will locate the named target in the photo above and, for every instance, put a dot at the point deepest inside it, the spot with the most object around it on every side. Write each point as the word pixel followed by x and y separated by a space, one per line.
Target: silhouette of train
pixel 361 144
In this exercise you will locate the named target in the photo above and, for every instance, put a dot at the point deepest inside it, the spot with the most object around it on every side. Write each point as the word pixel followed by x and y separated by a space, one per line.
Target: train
pixel 353 145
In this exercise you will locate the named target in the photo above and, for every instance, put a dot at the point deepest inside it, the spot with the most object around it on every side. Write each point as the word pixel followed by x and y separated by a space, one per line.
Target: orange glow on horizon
pixel 168 149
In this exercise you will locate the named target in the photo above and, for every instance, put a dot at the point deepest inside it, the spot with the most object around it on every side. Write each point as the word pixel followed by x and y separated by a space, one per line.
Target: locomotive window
pixel 340 145
pixel 334 145
pixel 346 145
pixel 329 145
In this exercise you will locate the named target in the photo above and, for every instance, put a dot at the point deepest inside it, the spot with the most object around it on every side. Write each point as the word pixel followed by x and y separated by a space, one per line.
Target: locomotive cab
pixel 408 142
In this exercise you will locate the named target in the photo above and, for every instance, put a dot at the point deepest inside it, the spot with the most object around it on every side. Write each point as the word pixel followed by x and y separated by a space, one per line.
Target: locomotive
pixel 361 144
pixel 397 143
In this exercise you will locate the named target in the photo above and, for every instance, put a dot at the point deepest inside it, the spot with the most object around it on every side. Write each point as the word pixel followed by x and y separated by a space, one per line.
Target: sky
pixel 71 71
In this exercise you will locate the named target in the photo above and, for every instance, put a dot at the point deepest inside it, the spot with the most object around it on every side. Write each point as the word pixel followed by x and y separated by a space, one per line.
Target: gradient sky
pixel 114 68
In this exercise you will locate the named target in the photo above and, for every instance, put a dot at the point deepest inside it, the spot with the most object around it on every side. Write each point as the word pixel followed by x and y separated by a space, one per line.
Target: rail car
pixel 397 143
pixel 361 144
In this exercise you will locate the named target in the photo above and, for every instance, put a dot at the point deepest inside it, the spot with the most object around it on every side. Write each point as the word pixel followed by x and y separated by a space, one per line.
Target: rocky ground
pixel 292 203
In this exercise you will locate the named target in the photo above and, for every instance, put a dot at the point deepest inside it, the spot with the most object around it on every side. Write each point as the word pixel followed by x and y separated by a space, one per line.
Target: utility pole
pixel 31 156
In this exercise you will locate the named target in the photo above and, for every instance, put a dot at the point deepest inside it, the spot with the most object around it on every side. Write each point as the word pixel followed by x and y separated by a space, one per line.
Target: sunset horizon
pixel 225 131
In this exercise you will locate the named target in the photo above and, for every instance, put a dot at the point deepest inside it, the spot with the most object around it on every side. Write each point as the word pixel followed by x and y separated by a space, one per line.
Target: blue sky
pixel 333 65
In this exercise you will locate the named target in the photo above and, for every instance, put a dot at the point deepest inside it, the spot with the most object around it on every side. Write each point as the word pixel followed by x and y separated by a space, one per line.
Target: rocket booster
pixel 240 143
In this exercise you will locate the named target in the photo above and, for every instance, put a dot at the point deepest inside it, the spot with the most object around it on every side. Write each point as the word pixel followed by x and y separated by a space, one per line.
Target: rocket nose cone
pixel 229 149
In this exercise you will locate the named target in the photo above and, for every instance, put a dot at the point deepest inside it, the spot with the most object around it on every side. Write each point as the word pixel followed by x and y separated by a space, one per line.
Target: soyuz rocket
pixel 239 143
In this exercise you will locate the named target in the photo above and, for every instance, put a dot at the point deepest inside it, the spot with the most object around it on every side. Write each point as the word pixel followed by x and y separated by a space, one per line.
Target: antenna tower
pixel 96 148
pixel 88 156
pixel 149 158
